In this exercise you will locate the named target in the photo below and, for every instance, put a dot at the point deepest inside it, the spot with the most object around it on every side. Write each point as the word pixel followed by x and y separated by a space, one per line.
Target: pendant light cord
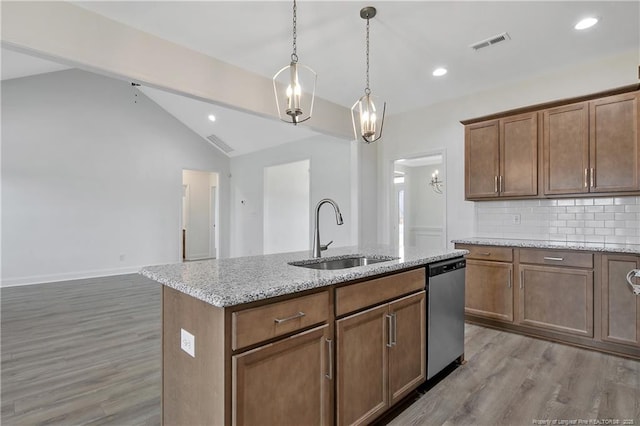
pixel 294 55
pixel 367 91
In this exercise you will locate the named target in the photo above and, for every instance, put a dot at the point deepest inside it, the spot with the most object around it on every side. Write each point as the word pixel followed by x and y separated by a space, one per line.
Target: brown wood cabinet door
pixel 566 149
pixel 285 382
pixel 482 160
pixel 519 155
pixel 362 366
pixel 407 354
pixel 620 307
pixel 614 143
pixel 489 290
pixel 558 299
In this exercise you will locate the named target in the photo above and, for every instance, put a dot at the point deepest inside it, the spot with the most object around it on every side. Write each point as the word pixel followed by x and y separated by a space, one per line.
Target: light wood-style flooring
pixel 88 352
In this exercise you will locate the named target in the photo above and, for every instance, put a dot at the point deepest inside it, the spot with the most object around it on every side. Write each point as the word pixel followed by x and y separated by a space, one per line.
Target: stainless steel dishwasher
pixel 445 314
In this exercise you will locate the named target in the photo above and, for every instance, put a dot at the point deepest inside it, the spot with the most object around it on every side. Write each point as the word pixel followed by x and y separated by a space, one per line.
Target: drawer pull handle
pixel 329 375
pixel 485 253
pixel 292 317
pixel 556 259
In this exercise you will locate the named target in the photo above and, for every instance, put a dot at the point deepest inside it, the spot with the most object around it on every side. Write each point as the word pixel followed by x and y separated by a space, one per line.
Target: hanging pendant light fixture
pixel 367 123
pixel 294 105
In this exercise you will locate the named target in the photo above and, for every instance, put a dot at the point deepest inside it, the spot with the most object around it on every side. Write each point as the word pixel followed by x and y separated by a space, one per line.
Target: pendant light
pixel 294 105
pixel 367 123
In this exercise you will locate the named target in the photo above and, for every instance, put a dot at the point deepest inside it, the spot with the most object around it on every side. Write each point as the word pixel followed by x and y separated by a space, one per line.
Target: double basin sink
pixel 342 262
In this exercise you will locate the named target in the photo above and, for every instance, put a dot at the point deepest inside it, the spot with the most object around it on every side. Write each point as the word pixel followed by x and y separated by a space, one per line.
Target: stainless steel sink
pixel 342 263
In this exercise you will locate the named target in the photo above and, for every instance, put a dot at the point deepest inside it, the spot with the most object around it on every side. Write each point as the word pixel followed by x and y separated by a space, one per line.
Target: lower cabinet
pixel 286 380
pixel 558 299
pixel 573 296
pixel 380 358
pixel 489 289
pixel 620 307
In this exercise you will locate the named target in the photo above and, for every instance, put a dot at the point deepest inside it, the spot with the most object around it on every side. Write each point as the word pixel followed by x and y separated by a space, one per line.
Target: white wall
pixel 438 127
pixel 92 178
pixel 330 178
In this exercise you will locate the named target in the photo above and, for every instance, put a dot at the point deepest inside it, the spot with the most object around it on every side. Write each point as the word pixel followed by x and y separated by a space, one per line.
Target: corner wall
pixel 92 178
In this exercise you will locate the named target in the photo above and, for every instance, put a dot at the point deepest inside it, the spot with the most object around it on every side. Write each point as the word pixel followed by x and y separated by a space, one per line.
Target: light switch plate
pixel 188 342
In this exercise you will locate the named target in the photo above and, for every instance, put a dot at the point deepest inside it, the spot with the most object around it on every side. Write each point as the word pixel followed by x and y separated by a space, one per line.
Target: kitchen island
pixel 257 340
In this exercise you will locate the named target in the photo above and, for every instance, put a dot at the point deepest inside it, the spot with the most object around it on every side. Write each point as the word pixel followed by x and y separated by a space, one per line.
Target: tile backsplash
pixel 597 220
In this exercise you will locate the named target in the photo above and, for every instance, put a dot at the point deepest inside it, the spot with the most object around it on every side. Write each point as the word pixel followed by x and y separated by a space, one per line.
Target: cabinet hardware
pixel 329 374
pixel 634 287
pixel 521 280
pixel 485 253
pixel 495 184
pixel 592 178
pixel 500 187
pixel 395 329
pixel 557 259
pixel 509 281
pixel 389 328
pixel 292 317
pixel 586 178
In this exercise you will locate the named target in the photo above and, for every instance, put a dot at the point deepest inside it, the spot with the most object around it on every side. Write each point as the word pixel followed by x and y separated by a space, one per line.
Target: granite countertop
pixel 233 281
pixel 568 245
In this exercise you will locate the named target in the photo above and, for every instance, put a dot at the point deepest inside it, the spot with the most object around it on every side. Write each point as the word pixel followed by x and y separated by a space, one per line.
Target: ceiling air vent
pixel 490 41
pixel 218 143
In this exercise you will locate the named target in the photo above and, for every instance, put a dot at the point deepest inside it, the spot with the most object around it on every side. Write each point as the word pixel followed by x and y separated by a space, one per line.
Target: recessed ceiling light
pixel 586 23
pixel 439 72
pixel 212 117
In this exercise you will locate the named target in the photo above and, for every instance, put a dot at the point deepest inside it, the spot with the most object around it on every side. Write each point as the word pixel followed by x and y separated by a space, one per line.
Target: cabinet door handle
pixel 292 317
pixel 586 177
pixel 592 177
pixel 500 187
pixel 509 281
pixel 556 259
pixel 329 374
pixel 389 328
pixel 495 184
pixel 521 280
pixel 395 329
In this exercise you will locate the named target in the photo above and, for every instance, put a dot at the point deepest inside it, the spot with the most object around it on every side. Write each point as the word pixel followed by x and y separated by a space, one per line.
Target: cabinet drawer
pixel 556 258
pixel 501 254
pixel 368 293
pixel 265 322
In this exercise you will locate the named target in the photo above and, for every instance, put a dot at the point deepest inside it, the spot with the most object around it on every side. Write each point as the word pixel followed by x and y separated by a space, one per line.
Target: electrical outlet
pixel 515 219
pixel 188 342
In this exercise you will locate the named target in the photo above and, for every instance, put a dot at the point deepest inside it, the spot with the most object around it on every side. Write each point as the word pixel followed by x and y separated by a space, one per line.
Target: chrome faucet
pixel 317 247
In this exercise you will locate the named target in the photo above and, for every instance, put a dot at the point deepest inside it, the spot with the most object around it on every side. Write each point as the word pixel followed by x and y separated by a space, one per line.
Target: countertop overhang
pixel 234 281
pixel 545 244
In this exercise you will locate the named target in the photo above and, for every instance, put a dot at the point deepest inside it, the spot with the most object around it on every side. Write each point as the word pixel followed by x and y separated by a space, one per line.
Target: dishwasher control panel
pixel 446 266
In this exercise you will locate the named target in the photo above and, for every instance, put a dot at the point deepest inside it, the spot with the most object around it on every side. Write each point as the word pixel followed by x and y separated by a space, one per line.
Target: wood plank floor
pixel 88 352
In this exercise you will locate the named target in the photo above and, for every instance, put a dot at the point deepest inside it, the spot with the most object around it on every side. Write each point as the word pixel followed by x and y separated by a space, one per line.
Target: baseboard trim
pixel 40 279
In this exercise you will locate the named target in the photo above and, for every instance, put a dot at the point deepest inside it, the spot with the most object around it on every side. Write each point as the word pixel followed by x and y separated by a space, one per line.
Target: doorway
pixel 419 207
pixel 199 215
pixel 286 207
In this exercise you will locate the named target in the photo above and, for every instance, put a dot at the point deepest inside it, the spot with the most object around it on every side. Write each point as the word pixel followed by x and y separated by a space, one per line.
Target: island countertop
pixel 233 281
pixel 544 244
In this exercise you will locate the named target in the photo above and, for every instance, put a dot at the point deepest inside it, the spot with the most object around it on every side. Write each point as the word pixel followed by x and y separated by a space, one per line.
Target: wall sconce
pixel 436 184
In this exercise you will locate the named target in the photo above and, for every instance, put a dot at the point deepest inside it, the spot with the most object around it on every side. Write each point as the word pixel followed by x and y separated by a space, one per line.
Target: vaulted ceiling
pixel 409 39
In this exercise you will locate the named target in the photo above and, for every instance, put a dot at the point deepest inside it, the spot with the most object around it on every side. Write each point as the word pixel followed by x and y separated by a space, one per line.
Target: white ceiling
pixel 408 40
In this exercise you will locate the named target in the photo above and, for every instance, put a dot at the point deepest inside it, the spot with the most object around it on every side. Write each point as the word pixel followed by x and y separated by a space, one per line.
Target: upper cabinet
pixel 614 148
pixel 592 147
pixel 588 146
pixel 501 157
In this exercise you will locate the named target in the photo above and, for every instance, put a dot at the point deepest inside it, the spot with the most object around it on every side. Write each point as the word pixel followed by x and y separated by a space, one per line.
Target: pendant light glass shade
pixel 368 119
pixel 294 86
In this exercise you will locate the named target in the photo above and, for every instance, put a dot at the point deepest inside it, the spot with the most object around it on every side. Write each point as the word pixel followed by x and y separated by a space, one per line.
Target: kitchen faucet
pixel 317 247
